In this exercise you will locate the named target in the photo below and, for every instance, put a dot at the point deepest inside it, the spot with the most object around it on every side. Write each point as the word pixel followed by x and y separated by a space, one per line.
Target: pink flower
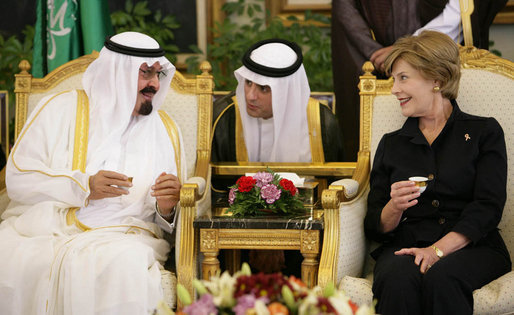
pixel 232 195
pixel 270 193
pixel 246 302
pixel 262 178
pixel 204 305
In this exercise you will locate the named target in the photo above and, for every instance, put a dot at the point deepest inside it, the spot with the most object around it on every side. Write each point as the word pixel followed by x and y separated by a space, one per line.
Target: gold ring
pixel 429 266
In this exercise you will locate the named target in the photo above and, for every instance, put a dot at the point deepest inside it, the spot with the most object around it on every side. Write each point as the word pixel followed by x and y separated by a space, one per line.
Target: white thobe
pixel 49 266
pixel 265 143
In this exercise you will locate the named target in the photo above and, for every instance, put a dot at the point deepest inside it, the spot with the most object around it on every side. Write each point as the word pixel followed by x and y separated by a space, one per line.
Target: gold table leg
pixel 310 269
pixel 209 247
pixel 210 264
pixel 309 247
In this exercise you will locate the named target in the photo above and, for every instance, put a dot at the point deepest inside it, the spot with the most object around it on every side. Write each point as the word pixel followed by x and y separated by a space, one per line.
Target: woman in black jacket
pixel 441 244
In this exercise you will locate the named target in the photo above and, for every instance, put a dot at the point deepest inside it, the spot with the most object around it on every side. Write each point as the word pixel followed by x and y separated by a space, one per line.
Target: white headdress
pixel 136 146
pixel 278 64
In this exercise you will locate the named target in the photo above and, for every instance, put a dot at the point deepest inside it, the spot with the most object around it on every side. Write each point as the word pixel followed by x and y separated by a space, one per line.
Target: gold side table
pixel 299 233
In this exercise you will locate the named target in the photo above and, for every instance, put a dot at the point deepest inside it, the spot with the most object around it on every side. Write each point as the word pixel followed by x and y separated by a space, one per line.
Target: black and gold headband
pixel 133 51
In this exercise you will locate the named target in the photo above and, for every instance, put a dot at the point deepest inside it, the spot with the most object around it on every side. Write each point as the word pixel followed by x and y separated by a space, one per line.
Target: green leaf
pixel 183 295
pixel 158 16
pixel 128 6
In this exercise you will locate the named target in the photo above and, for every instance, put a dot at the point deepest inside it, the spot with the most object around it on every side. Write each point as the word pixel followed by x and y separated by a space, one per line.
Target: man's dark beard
pixel 146 108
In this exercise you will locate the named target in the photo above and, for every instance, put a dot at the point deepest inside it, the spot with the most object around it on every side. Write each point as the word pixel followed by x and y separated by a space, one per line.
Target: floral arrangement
pixel 264 193
pixel 265 294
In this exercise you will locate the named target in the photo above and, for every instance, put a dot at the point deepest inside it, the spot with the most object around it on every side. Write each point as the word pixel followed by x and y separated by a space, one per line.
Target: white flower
pixel 261 308
pixel 365 310
pixel 340 303
pixel 222 289
pixel 308 305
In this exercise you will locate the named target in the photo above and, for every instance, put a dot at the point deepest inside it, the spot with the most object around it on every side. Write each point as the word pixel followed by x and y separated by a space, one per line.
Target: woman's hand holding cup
pixel 404 194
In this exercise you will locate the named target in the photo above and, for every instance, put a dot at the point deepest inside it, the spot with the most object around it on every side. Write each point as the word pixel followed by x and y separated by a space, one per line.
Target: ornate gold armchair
pixel 486 89
pixel 189 103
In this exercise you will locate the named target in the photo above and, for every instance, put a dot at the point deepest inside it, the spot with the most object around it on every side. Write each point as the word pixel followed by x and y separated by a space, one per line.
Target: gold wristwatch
pixel 438 252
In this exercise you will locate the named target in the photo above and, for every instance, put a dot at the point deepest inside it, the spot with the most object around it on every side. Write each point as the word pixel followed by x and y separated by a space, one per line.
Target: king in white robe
pixel 65 254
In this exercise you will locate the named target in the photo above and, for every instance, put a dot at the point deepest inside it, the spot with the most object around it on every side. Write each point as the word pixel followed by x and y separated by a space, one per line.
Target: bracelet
pixel 164 216
pixel 438 252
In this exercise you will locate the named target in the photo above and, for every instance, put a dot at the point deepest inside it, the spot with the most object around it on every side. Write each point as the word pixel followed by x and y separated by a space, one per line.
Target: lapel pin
pixel 467 137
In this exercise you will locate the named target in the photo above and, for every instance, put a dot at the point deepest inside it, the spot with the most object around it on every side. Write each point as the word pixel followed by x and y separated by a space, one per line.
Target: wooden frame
pixel 298 6
pixel 285 8
pixel 506 15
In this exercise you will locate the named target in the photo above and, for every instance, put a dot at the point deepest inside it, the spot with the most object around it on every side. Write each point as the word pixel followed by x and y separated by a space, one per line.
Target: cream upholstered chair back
pixel 188 103
pixel 487 89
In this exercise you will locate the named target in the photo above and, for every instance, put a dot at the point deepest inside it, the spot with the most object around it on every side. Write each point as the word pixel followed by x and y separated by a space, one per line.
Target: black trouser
pixel 446 288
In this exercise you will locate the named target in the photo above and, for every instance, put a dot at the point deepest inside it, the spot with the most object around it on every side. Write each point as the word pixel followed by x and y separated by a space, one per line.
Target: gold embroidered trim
pixel 241 152
pixel 80 151
pixel 71 218
pixel 315 139
pixel 81 132
pixel 23 134
pixel 172 130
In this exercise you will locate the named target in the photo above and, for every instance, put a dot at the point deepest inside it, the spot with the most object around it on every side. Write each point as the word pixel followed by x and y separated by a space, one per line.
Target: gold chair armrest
pixel 186 265
pixel 331 201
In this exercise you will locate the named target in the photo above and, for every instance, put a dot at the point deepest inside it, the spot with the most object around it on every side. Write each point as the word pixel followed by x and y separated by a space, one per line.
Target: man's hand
pixel 103 185
pixel 379 56
pixel 167 192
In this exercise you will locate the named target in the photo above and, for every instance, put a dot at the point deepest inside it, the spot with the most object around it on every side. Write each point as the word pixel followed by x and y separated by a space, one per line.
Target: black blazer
pixel 468 164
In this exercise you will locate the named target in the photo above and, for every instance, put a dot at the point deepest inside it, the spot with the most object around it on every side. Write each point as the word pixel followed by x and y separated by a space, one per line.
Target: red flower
pixel 261 284
pixel 289 186
pixel 353 306
pixel 325 306
pixel 245 183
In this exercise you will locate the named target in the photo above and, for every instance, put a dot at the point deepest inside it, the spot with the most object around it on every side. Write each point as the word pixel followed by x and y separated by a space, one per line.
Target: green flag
pixel 67 29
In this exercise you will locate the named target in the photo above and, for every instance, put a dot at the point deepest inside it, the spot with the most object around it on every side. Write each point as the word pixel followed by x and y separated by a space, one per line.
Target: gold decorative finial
pixel 205 66
pixel 24 66
pixel 368 67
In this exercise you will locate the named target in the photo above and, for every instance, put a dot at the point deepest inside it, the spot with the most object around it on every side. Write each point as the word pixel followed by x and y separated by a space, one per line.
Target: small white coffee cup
pixel 420 181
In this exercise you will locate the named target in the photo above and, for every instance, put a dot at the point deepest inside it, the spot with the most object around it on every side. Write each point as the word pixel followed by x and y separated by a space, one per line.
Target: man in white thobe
pixel 93 181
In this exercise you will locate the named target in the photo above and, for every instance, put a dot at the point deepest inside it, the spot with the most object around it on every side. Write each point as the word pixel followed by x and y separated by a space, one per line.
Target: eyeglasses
pixel 150 73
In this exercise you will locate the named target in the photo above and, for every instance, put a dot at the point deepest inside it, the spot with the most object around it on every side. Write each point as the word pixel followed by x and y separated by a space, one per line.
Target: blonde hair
pixel 432 53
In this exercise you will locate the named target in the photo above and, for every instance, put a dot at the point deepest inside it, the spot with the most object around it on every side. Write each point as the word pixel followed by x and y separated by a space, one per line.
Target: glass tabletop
pixel 309 221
